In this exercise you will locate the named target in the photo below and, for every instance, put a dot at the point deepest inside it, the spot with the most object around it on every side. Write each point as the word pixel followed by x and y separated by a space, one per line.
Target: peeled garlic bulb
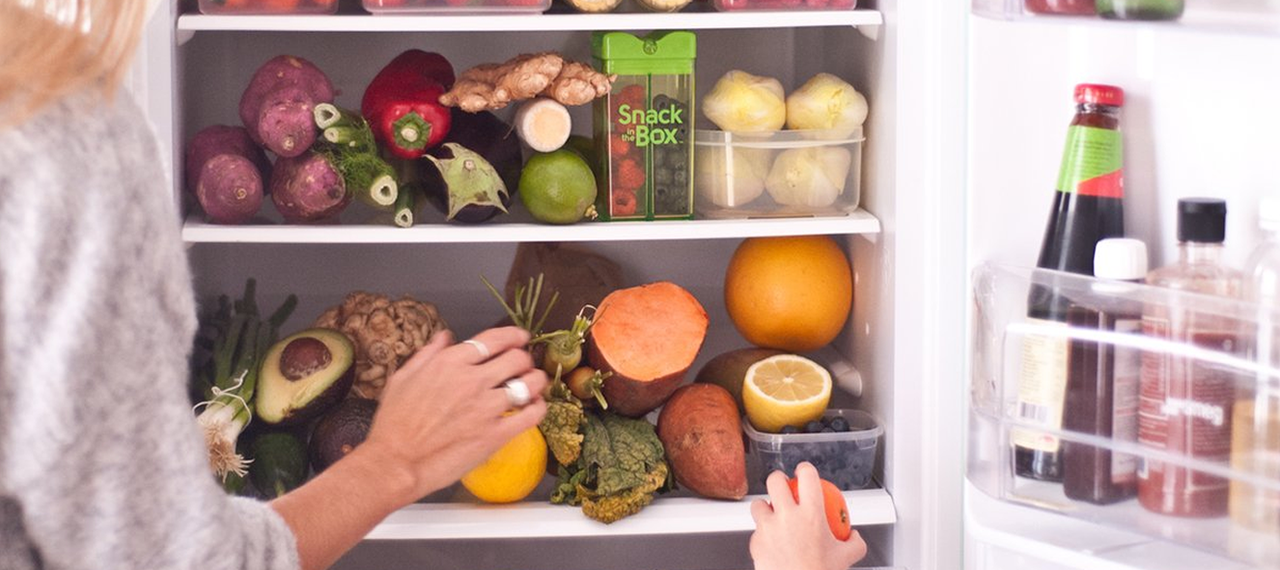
pixel 826 102
pixel 811 177
pixel 731 177
pixel 742 102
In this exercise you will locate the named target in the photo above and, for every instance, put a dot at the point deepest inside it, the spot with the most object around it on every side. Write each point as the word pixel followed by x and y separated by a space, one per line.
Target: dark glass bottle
pixel 1086 209
pixel 1102 378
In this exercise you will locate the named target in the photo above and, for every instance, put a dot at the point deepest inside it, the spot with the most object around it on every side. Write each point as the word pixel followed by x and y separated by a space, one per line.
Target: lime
pixel 558 187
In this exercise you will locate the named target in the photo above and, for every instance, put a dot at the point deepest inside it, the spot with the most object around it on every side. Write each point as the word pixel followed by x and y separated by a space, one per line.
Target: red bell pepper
pixel 402 103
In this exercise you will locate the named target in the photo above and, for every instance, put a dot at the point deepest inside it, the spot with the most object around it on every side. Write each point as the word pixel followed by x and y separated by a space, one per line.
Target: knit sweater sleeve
pixel 101 461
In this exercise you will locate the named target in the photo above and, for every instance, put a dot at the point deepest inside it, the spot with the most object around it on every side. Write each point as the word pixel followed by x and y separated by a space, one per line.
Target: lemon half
pixel 785 390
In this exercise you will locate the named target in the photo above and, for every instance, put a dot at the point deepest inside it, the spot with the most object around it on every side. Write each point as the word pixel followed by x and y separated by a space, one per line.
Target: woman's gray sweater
pixel 101 463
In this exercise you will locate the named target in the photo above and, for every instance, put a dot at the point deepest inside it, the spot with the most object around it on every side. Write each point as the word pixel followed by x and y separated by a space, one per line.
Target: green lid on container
pixel 656 53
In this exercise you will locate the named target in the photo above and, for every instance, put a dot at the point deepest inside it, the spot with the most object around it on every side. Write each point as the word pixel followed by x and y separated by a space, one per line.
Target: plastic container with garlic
pixel 797 173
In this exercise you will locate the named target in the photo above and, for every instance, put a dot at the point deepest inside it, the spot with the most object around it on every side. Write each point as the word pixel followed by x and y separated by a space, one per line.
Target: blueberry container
pixel 847 459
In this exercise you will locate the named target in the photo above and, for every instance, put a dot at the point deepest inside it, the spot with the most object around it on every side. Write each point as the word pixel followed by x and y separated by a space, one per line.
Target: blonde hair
pixel 50 48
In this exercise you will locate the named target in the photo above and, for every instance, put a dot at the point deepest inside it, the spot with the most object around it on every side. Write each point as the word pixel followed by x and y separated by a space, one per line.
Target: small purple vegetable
pixel 308 189
pixel 277 106
pixel 229 191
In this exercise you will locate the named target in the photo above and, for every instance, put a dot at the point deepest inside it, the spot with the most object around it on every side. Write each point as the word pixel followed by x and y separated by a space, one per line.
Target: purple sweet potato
pixel 308 189
pixel 229 189
pixel 221 139
pixel 230 192
pixel 277 106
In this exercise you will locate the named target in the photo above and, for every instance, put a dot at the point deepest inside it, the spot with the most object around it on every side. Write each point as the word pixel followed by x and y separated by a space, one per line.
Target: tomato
pixel 833 502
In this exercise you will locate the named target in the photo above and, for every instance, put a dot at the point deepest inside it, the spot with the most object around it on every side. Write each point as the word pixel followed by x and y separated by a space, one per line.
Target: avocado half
pixel 340 431
pixel 303 375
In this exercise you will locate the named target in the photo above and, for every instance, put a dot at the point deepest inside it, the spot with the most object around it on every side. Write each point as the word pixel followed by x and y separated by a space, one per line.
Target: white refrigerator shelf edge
pixel 428 521
pixel 858 222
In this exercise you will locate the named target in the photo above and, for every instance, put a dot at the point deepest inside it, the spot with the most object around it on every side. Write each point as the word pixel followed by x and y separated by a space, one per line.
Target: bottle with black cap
pixel 1185 403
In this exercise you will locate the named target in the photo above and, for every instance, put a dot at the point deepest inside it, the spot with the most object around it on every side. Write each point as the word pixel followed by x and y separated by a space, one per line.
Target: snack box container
pixel 783 5
pixel 267 7
pixel 445 7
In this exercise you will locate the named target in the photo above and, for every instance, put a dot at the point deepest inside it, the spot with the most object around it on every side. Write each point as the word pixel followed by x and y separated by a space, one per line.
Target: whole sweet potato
pixel 229 189
pixel 277 106
pixel 702 435
pixel 224 170
pixel 308 189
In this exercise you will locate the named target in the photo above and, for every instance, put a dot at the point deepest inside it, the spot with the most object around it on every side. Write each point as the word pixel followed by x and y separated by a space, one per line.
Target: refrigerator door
pixel 1196 122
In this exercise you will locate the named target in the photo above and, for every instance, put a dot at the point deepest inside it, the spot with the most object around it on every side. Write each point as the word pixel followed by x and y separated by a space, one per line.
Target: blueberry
pixel 663 177
pixel 840 424
pixel 814 426
pixel 680 176
pixel 789 430
pixel 828 430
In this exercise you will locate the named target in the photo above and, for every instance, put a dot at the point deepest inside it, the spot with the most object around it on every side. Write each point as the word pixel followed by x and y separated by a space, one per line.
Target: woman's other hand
pixel 793 535
pixel 446 409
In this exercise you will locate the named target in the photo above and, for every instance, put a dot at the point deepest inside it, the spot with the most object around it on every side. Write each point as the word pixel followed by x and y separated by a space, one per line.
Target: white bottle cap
pixel 1269 213
pixel 1122 259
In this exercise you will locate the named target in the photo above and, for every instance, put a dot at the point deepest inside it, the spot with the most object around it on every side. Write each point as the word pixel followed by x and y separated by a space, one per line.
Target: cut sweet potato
pixel 702 435
pixel 648 337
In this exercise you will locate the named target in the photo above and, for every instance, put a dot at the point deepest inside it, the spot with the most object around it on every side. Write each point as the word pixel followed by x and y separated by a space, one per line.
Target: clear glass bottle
pixel 1255 432
pixel 1185 403
pixel 1102 378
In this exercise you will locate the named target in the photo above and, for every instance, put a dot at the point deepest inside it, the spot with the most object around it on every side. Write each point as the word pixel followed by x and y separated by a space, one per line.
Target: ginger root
pixel 578 84
pixel 385 334
pixel 489 87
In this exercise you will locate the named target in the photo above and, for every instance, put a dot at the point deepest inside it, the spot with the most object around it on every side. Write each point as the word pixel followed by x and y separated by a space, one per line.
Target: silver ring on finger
pixel 518 394
pixel 480 346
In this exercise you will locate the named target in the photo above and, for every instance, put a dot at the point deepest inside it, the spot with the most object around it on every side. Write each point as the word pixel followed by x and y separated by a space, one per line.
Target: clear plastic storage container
pixel 777 174
pixel 735 5
pixel 847 459
pixel 456 6
pixel 266 7
pixel 1218 374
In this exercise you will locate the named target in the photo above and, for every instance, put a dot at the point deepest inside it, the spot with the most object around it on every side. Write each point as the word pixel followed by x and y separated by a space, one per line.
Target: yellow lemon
pixel 512 472
pixel 785 390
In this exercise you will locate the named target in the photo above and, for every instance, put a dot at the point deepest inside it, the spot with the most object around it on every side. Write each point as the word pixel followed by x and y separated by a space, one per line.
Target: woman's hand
pixel 791 536
pixel 445 410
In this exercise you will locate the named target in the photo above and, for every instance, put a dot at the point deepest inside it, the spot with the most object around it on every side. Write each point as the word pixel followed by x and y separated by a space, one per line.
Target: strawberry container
pixel 847 459
pixel 777 5
pixel 456 6
pixel 643 126
pixel 265 7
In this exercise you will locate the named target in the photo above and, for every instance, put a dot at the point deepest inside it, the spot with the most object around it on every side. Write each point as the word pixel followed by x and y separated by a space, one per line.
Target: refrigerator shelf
pixel 1212 390
pixel 681 515
pixel 194 22
pixel 1239 16
pixel 1011 534
pixel 195 230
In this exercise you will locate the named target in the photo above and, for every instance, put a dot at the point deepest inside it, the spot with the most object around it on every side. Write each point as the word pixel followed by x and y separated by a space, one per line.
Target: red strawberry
pixel 628 175
pixel 618 147
pixel 624 203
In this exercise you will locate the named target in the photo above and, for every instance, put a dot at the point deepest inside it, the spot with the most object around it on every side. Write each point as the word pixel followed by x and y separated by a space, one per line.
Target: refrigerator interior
pixel 1196 122
pixel 195 68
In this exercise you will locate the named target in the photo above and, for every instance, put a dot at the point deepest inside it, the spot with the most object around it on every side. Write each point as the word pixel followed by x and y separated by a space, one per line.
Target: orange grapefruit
pixel 789 293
